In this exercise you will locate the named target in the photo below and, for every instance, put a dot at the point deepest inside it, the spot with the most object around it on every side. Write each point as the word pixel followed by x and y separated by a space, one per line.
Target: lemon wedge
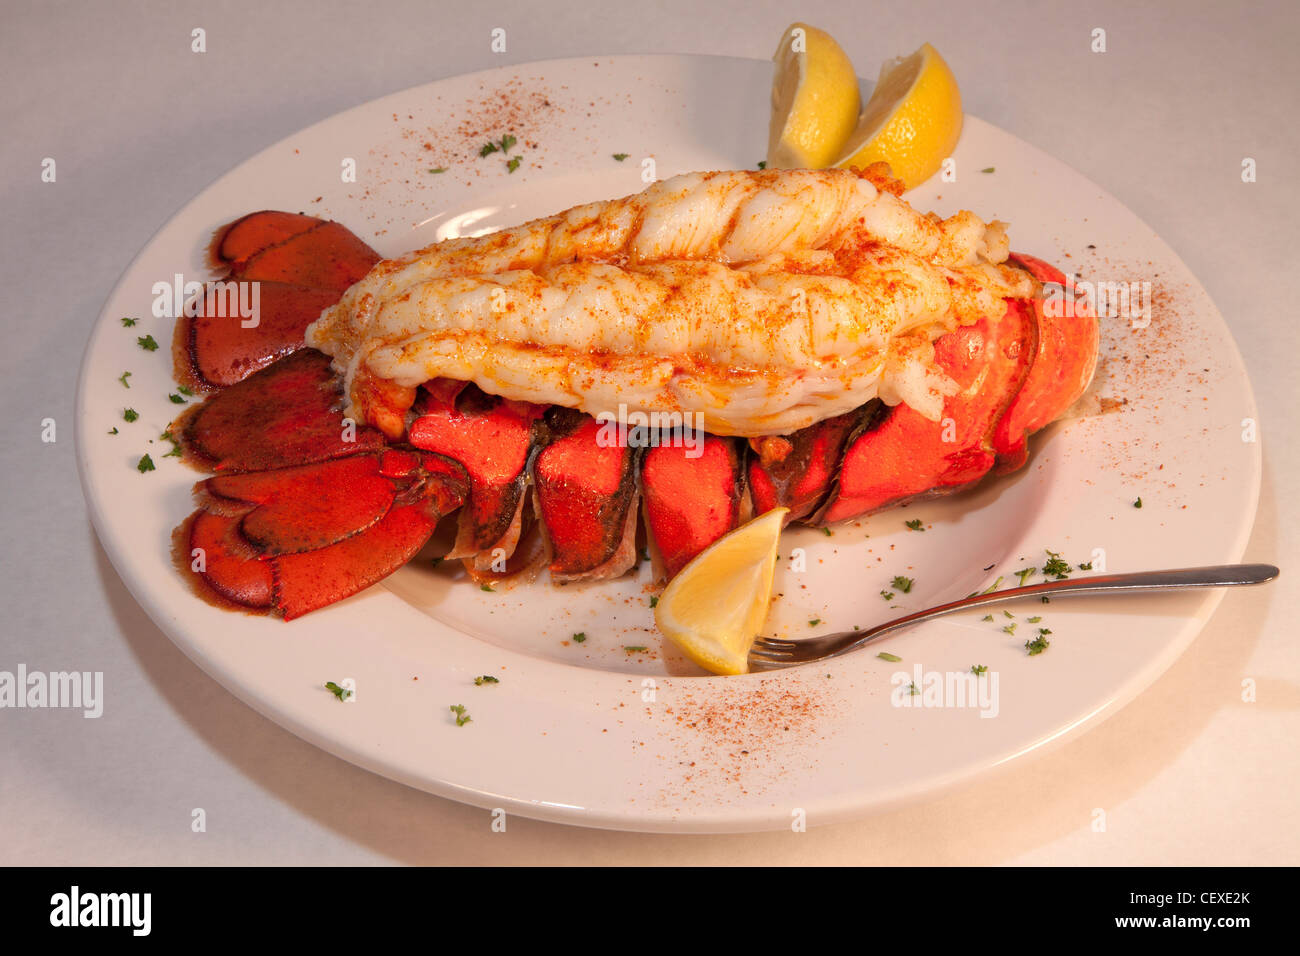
pixel 912 121
pixel 815 100
pixel 715 607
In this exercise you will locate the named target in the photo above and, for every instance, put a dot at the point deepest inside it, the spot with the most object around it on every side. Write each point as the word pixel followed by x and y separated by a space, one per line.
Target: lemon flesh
pixel 912 121
pixel 815 100
pixel 715 607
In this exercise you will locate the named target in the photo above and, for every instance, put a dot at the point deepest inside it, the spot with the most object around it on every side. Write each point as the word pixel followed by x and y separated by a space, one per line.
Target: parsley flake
pixel 485 679
pixel 1037 645
pixel 988 169
pixel 654 600
pixel 127 323
pixel 514 164
pixel 487 587
pixel 903 584
pixel 439 169
pixel 914 525
pixel 123 379
pixel 176 399
pixel 342 693
pixel 147 343
pixel 462 718
pixel 130 414
pixel 892 658
pixel 579 637
pixel 979 669
pixel 1138 503
pixel 146 464
pixel 621 156
pixel 635 648
pixel 1056 567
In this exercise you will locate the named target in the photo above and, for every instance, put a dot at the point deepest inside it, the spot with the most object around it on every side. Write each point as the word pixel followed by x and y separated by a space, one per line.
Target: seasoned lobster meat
pixel 844 352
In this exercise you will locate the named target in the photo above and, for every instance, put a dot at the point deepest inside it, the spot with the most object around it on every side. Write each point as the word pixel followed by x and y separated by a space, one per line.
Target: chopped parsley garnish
pixel 987 617
pixel 506 142
pixel 1046 599
pixel 1056 567
pixel 814 622
pixel 988 169
pixel 914 525
pixel 462 718
pixel 902 584
pixel 485 679
pixel 439 169
pixel 176 399
pixel 130 414
pixel 828 532
pixel 635 648
pixel 913 689
pixel 488 149
pixel 1037 645
pixel 978 669
pixel 762 164
pixel 1035 619
pixel 892 658
pixel 127 323
pixel 123 379
pixel 993 587
pixel 1007 614
pixel 487 587
pixel 147 343
pixel 1138 503
pixel 654 600
pixel 1010 628
pixel 185 390
pixel 342 693
pixel 1044 630
pixel 1086 566
pixel 146 464
pixel 1024 573
pixel 621 156
pixel 579 637
pixel 887 595
pixel 514 164
pixel 114 431
pixel 175 452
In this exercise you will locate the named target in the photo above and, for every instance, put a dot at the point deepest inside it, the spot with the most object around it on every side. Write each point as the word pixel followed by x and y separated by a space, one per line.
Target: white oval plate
pixel 592 733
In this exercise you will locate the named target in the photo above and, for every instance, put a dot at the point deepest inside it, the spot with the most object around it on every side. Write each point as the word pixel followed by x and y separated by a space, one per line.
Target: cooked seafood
pixel 762 301
pixel 919 361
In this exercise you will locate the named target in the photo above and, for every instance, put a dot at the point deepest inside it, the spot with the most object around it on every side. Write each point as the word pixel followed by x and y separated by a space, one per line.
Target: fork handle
pixel 1221 575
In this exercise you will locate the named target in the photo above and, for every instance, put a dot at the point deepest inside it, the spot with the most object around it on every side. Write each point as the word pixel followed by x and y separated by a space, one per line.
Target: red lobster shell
pixel 305 508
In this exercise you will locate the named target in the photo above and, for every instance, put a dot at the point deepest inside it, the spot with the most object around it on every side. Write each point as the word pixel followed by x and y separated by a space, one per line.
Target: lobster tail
pixel 307 507
pixel 300 265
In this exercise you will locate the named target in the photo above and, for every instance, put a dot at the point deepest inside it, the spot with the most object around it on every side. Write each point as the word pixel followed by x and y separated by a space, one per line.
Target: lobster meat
pixel 327 475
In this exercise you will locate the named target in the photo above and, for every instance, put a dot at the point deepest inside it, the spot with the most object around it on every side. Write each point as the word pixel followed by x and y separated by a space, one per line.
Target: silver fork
pixel 769 653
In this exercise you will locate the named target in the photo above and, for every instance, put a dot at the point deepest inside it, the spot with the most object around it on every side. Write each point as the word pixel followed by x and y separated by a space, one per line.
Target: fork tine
pixel 766 654
pixel 773 644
